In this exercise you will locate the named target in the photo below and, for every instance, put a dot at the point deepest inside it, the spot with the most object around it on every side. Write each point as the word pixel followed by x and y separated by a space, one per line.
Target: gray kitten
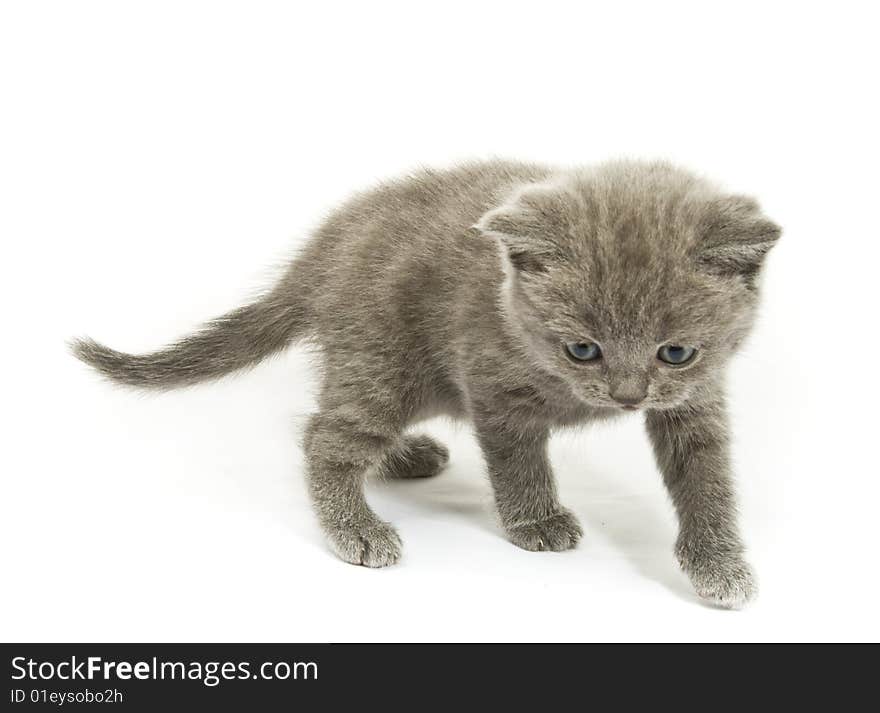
pixel 524 299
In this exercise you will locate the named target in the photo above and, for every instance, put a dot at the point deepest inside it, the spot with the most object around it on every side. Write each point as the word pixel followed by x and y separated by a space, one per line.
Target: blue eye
pixel 675 354
pixel 584 351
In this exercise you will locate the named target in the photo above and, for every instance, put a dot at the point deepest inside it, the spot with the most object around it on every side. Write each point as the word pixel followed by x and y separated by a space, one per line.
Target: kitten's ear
pixel 528 228
pixel 735 236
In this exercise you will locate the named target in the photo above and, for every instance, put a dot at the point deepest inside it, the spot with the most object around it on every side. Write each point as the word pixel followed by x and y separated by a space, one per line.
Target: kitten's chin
pixel 606 406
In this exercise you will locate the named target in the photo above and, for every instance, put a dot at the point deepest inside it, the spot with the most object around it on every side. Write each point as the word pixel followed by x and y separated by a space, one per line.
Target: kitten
pixel 524 299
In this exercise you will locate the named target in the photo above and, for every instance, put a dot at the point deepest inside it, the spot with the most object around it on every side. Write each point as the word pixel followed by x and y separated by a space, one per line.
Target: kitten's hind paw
pixel 558 532
pixel 374 544
pixel 416 457
pixel 725 582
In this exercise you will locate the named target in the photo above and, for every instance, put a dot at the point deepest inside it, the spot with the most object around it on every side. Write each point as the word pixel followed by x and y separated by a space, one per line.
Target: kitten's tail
pixel 234 341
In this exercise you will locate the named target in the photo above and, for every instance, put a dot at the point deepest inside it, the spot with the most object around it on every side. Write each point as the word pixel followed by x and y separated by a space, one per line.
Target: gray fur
pixel 454 293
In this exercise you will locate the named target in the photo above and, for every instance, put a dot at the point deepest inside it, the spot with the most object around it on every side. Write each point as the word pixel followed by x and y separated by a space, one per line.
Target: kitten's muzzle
pixel 629 393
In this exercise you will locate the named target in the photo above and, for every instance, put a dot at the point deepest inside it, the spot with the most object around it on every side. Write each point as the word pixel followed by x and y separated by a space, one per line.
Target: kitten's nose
pixel 629 393
pixel 628 401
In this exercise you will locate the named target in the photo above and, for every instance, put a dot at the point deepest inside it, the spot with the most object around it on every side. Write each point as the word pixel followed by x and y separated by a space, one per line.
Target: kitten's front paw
pixel 374 544
pixel 722 580
pixel 558 532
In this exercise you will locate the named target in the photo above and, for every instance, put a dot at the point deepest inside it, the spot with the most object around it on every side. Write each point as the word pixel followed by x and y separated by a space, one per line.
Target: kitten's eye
pixel 584 351
pixel 675 354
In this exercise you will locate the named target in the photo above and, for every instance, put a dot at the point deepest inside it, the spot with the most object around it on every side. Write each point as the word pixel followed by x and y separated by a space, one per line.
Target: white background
pixel 158 158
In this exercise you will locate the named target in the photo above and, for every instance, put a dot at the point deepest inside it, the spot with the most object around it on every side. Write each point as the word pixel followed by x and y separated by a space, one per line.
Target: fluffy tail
pixel 236 340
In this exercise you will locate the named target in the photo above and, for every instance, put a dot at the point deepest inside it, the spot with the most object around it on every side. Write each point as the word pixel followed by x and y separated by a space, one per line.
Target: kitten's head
pixel 632 282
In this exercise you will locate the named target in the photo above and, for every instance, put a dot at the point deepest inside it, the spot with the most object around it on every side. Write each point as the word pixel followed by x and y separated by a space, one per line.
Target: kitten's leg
pixel 525 490
pixel 691 445
pixel 343 441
